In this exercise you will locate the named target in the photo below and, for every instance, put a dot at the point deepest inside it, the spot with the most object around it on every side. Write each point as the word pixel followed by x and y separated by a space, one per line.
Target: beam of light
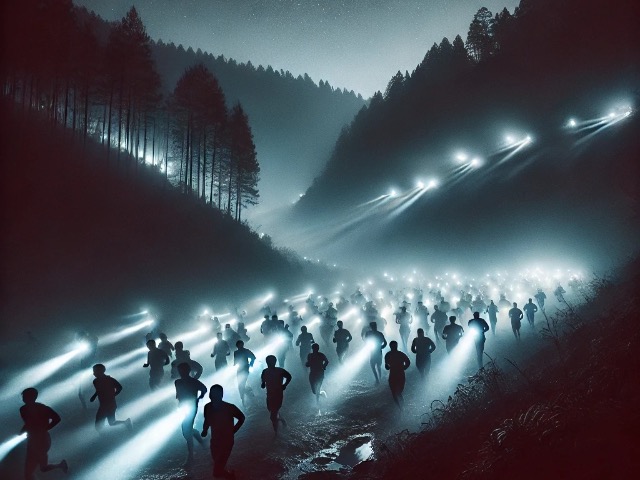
pixel 114 337
pixel 192 334
pixel 315 320
pixel 132 315
pixel 126 460
pixel 31 377
pixel 448 372
pixel 254 325
pixel 607 123
pixel 375 200
pixel 518 147
pixel 408 202
pixel 393 193
pixel 341 377
pixel 10 444
pixel 125 358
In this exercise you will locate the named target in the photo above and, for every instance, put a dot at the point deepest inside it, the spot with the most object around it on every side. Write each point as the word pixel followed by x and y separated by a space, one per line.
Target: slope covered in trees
pixel 528 73
pixel 83 237
pixel 295 120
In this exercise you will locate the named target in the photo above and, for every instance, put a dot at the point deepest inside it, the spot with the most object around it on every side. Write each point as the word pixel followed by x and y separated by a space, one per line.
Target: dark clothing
pixel 452 334
pixel 530 310
pixel 317 362
pixel 167 347
pixel 243 358
pixel 479 325
pixel 220 418
pixel 188 389
pixel 220 352
pixel 396 362
pixel 515 314
pixel 272 378
pixel 304 341
pixel 38 419
pixel 342 337
pixel 107 388
pixel 439 319
pixel 423 347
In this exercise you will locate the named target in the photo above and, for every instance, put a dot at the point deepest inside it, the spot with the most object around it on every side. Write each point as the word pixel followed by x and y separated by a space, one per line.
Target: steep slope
pixel 295 121
pixel 535 199
pixel 84 235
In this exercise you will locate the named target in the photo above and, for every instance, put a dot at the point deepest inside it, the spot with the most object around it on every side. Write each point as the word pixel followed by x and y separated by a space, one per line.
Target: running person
pixel 220 351
pixel 404 319
pixel 341 337
pixel 107 388
pixel 317 363
pixel 187 390
pixel 515 314
pixel 479 327
pixel 530 309
pixel 376 342
pixel 439 320
pixel 304 341
pixel 272 378
pixel 423 347
pixel 38 420
pixel 156 360
pixel 244 359
pixel 452 334
pixel 492 310
pixel 396 362
pixel 220 416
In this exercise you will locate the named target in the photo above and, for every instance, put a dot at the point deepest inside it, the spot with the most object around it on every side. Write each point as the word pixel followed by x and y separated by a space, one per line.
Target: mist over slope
pixel 512 180
pixel 295 120
pixel 82 237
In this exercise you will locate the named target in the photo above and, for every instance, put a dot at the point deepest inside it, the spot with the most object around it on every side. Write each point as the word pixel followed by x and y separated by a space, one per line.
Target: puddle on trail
pixel 340 456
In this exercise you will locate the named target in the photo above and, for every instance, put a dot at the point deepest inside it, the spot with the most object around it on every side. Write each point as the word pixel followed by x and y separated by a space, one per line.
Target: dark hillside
pixel 80 238
pixel 568 192
pixel 295 120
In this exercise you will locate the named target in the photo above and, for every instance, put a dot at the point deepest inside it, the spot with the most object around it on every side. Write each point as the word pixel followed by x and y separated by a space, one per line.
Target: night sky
pixel 354 44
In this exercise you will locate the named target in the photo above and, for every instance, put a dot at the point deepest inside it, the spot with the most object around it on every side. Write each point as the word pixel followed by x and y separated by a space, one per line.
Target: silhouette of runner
pixel 478 326
pixel 396 362
pixel 187 390
pixel 220 351
pixel 156 359
pixel 452 334
pixel 107 388
pixel 515 314
pixel 38 420
pixel 422 315
pixel 244 359
pixel 184 356
pixel 317 363
pixel 439 320
pixel 220 416
pixel 559 293
pixel 530 309
pixel 423 347
pixel 328 323
pixel 165 345
pixel 540 297
pixel 272 378
pixel 341 337
pixel 376 342
pixel 404 319
pixel 304 341
pixel 492 310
